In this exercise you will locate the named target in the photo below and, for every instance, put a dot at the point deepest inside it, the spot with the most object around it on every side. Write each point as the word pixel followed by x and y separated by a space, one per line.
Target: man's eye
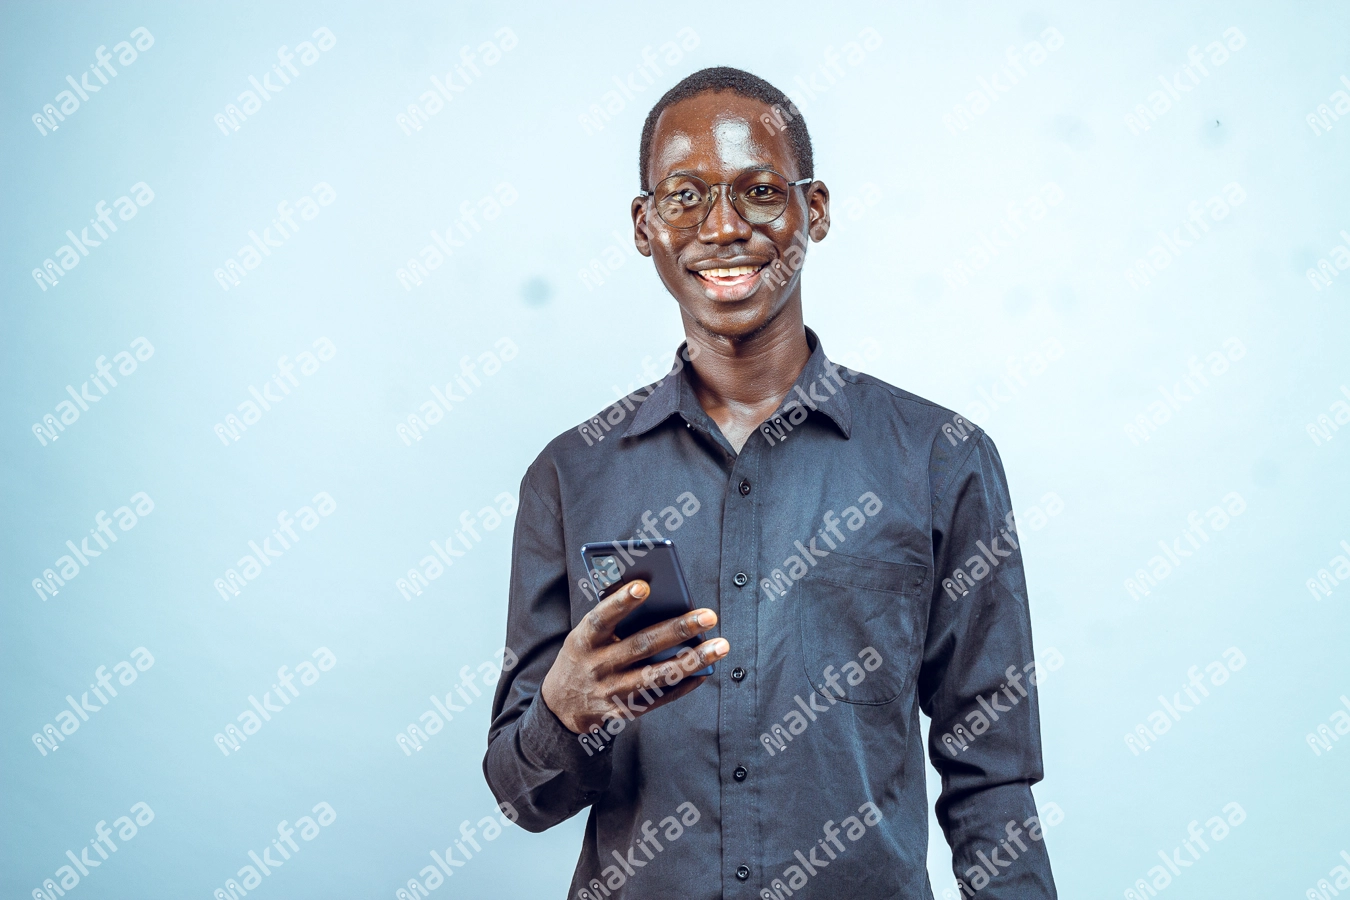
pixel 761 192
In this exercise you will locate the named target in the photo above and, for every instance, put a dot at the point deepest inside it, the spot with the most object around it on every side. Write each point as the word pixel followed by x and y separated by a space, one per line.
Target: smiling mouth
pixel 732 275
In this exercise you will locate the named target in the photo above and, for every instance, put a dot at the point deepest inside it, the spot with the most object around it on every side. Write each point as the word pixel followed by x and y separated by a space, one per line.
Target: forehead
pixel 719 133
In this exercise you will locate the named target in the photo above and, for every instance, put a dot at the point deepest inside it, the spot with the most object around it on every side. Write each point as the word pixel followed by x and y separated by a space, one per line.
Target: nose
pixel 724 225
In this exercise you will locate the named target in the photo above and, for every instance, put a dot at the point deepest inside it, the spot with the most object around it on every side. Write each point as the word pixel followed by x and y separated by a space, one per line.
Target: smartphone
pixel 612 564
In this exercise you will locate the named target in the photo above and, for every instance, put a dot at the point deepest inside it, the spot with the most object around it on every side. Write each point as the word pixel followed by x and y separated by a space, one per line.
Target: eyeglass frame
pixel 651 194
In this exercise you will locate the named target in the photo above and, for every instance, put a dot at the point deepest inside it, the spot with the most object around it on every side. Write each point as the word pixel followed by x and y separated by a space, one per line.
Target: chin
pixel 732 320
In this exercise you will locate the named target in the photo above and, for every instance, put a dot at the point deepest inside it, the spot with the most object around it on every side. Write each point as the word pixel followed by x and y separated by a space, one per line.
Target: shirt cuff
pixel 548 744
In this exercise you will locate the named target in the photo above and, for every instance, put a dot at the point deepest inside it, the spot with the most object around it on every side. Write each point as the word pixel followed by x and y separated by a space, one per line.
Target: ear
pixel 641 237
pixel 818 210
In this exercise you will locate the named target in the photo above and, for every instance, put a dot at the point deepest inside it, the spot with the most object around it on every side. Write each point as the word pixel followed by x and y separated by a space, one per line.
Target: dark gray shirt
pixel 861 555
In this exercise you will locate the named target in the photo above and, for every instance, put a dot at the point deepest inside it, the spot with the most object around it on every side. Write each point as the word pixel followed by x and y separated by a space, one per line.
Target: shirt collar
pixel 818 388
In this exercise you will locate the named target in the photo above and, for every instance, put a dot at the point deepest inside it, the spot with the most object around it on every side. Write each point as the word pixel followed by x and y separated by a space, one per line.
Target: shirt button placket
pixel 740 626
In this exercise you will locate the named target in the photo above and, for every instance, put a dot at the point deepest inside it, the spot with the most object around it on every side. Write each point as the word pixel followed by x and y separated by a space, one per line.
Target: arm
pixel 533 761
pixel 978 675
pixel 569 678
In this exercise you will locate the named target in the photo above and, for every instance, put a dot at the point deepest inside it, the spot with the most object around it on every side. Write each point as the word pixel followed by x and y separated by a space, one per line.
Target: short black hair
pixel 738 81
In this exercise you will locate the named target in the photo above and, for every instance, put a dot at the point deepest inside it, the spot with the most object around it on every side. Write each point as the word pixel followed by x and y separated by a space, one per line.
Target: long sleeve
pixel 533 761
pixel 977 680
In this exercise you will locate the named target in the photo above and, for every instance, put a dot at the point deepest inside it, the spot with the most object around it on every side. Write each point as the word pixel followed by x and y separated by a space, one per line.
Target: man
pixel 818 514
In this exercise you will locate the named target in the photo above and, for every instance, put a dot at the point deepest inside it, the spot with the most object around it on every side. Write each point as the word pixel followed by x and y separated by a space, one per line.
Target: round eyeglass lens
pixel 758 196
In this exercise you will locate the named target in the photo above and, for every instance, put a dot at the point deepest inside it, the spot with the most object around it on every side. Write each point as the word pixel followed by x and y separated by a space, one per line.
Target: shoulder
pixel 954 443
pixel 923 418
pixel 591 444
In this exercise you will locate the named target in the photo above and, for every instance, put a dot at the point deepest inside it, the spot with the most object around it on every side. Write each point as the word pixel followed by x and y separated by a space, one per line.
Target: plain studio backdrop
pixel 1180 216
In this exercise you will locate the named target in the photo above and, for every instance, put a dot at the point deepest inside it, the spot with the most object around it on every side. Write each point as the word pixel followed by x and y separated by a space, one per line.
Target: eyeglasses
pixel 759 195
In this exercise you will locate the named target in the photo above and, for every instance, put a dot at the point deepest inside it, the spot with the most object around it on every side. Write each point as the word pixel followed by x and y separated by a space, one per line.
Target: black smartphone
pixel 612 564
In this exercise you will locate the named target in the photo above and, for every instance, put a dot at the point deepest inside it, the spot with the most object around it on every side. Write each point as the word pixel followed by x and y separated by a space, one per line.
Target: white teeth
pixel 731 272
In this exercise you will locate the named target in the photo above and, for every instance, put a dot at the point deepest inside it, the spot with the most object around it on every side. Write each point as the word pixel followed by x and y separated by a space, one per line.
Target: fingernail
pixel 721 647
pixel 707 619
pixel 639 589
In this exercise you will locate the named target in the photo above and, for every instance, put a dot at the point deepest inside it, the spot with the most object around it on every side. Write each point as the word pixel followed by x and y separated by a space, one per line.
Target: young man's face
pixel 717 136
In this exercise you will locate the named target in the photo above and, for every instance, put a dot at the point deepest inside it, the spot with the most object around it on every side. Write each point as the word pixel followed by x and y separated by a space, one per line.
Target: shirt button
pixel 740 579
pixel 740 773
pixel 737 673
pixel 745 487
pixel 742 872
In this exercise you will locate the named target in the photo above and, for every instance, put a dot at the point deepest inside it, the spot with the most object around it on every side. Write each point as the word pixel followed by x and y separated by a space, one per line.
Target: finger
pixel 597 628
pixel 661 636
pixel 673 671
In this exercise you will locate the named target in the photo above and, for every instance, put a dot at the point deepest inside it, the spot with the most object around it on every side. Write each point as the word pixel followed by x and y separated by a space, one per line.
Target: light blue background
pixel 878 276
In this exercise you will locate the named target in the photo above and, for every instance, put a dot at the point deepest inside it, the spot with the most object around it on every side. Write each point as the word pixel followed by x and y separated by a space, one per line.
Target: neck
pixel 741 380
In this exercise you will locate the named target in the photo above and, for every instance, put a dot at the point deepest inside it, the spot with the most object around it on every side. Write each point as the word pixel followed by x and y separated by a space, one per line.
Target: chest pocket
pixel 861 627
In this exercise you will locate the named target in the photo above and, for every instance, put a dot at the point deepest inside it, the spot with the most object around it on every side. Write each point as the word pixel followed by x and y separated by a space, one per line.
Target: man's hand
pixel 594 667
